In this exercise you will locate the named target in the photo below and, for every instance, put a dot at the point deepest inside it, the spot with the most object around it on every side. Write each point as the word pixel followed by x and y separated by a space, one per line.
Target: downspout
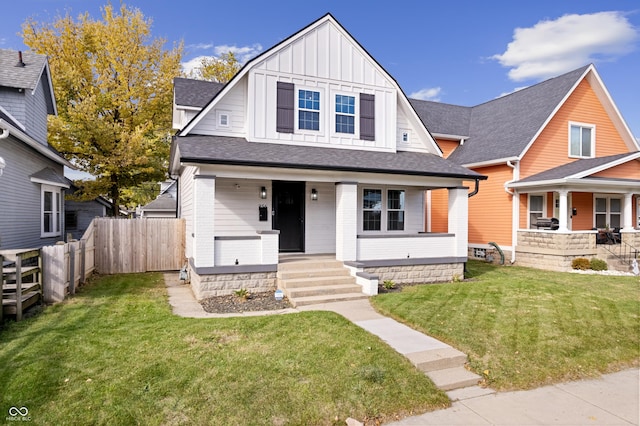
pixel 514 216
pixel 475 190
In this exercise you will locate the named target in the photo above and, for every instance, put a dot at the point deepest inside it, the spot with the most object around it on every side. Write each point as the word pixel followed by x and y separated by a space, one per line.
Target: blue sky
pixel 462 52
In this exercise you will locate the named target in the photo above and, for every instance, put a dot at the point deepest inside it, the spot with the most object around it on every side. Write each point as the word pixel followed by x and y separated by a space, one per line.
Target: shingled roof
pixel 501 128
pixel 18 76
pixel 195 93
pixel 238 151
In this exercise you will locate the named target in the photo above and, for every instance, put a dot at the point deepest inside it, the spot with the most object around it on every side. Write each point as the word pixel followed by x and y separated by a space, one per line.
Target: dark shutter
pixel 367 117
pixel 285 107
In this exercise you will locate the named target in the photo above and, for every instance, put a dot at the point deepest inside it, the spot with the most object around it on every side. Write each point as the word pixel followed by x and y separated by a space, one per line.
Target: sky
pixel 463 52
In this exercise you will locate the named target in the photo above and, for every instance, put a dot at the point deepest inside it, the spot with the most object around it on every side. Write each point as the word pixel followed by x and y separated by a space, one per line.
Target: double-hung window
pixel 308 110
pixel 608 212
pixel 51 211
pixel 383 207
pixel 345 114
pixel 581 140
pixel 536 209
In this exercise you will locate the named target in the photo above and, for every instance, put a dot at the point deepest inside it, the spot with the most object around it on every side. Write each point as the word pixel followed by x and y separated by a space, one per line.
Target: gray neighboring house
pixel 165 205
pixel 32 184
pixel 79 214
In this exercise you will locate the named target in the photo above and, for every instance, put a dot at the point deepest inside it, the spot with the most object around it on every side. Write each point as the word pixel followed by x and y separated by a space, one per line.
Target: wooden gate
pixel 139 245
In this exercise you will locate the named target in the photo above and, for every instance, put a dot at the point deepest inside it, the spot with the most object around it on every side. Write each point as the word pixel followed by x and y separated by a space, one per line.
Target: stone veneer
pixel 552 250
pixel 204 286
pixel 418 274
pixel 632 238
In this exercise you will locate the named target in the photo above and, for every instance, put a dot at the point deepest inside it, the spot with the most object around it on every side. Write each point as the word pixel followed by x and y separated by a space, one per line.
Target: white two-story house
pixel 312 148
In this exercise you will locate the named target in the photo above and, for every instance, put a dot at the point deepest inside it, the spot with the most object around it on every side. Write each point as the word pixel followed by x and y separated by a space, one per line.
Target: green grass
pixel 115 354
pixel 523 327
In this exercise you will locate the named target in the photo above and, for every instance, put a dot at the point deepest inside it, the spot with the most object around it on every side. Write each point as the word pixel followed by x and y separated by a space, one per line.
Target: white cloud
pixel 200 46
pixel 550 48
pixel 429 94
pixel 243 54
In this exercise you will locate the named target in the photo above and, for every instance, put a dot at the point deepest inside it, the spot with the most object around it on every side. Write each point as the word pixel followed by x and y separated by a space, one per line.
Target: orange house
pixel 563 168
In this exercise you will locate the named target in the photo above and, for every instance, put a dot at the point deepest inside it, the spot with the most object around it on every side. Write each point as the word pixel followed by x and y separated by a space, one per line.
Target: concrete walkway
pixel 613 399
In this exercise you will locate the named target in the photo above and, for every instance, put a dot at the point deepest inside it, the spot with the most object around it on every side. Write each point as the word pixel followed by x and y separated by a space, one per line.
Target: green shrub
pixel 598 264
pixel 243 293
pixel 580 263
pixel 389 284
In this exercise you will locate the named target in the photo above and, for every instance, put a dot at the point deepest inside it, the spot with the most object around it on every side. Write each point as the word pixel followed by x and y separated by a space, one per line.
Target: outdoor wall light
pixel 314 194
pixel 263 192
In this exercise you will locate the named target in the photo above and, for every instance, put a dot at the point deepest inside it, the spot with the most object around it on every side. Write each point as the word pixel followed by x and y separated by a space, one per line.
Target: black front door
pixel 288 214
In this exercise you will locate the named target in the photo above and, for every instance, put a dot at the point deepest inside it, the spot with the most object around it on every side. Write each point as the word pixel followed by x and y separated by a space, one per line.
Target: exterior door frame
pixel 288 207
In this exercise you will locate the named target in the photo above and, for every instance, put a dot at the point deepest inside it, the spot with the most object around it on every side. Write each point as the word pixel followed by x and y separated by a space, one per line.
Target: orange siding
pixel 490 209
pixel 439 209
pixel 583 203
pixel 447 146
pixel 628 170
pixel 551 148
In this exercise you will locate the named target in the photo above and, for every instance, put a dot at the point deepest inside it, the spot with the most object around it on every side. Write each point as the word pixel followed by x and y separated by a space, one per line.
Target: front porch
pixel 555 250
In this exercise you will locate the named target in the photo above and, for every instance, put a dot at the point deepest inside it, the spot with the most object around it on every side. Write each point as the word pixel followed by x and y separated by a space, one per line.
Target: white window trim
pixel 57 214
pixel 384 225
pixel 608 212
pixel 322 112
pixel 219 115
pixel 593 139
pixel 356 115
pixel 544 206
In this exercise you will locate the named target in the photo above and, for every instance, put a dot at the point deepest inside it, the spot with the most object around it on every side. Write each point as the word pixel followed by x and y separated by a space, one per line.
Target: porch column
pixel 204 197
pixel 627 219
pixel 459 219
pixel 346 220
pixel 562 211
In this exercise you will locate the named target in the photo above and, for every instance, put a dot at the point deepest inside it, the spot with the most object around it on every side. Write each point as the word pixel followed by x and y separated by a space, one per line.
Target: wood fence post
pixel 83 260
pixel 19 287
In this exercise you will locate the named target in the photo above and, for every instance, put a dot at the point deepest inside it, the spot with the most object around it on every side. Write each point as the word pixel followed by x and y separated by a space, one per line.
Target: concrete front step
pixel 315 281
pixel 453 378
pixel 297 292
pixel 311 273
pixel 328 298
pixel 309 264
pixel 437 359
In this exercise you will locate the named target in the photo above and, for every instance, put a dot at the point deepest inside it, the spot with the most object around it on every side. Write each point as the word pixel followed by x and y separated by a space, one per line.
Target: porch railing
pixel 624 252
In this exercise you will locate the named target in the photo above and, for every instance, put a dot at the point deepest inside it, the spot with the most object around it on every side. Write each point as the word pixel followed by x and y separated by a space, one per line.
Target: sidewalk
pixel 613 399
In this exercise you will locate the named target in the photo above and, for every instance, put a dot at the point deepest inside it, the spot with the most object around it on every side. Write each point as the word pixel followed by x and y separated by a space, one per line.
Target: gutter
pixel 42 149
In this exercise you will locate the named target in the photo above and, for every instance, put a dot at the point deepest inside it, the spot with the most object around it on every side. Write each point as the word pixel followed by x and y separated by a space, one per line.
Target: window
pixel 345 114
pixel 223 119
pixel 536 209
pixel 395 210
pixel 51 211
pixel 308 110
pixel 71 219
pixel 372 209
pixel 608 212
pixel 581 140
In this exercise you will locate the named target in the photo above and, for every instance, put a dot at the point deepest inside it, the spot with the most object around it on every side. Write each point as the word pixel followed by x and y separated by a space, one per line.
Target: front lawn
pixel 115 354
pixel 523 327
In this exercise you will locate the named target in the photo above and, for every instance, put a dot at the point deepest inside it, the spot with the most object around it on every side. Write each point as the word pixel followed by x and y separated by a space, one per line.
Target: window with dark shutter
pixel 367 117
pixel 285 107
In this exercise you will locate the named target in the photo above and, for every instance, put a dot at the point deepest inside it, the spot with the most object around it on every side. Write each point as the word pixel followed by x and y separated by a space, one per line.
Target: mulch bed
pixel 232 304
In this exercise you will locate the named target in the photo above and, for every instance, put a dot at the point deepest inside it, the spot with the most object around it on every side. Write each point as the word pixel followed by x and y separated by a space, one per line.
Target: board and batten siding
pixel 20 199
pixel 551 148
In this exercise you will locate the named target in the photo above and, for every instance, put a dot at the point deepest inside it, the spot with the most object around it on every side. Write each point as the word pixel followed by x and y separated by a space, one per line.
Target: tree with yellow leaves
pixel 221 69
pixel 113 87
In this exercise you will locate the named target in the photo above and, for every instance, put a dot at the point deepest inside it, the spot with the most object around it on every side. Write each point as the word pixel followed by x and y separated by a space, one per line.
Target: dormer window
pixel 581 140
pixel 308 110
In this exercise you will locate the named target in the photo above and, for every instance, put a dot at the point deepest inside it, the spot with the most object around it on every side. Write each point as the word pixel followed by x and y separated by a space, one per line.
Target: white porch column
pixel 562 211
pixel 346 220
pixel 204 197
pixel 627 218
pixel 459 218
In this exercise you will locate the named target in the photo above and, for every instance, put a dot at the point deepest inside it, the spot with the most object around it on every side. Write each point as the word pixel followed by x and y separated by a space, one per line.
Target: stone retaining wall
pixel 418 274
pixel 552 250
pixel 204 286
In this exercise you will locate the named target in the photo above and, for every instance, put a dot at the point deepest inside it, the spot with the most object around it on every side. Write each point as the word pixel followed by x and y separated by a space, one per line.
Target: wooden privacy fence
pixel 139 245
pixel 67 265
